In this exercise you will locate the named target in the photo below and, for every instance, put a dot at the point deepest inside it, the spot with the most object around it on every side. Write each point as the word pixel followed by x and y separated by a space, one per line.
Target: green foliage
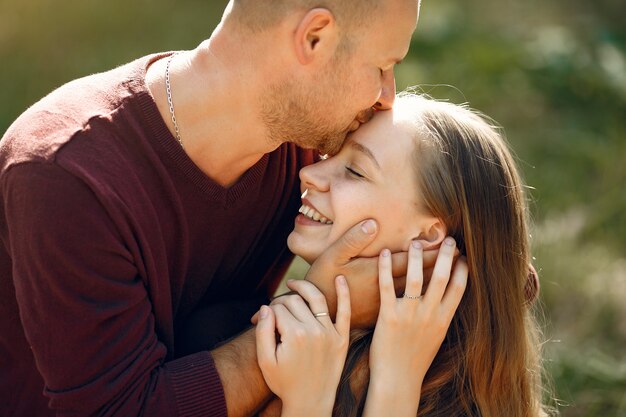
pixel 552 73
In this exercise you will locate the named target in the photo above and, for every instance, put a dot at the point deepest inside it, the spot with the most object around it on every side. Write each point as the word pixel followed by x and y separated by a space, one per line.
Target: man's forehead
pixel 398 18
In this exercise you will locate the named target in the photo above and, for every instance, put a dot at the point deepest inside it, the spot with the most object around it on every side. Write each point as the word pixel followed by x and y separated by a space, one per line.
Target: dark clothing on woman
pixel 112 237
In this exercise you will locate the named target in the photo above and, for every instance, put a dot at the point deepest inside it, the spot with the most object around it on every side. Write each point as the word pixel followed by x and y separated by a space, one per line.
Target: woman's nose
pixel 316 176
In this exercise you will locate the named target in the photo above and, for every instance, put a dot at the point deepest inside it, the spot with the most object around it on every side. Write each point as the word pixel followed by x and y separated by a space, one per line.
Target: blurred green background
pixel 552 73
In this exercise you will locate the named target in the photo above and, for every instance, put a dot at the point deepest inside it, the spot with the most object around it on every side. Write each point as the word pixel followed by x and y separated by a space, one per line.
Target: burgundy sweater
pixel 112 238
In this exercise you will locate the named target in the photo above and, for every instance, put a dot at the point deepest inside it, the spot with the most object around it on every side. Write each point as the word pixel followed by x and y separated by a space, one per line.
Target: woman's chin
pixel 301 248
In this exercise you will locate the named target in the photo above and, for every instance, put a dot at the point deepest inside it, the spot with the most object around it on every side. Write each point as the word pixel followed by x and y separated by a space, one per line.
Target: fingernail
pixel 290 280
pixel 342 280
pixel 369 227
pixel 449 241
pixel 263 312
pixel 417 244
pixel 385 253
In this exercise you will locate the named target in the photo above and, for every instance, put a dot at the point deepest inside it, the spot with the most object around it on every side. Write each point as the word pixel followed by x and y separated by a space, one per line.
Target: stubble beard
pixel 290 115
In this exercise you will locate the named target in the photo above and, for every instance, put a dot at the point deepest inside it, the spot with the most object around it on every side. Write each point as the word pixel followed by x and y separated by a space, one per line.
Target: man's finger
pixel 266 338
pixel 430 257
pixel 399 263
pixel 342 320
pixel 352 242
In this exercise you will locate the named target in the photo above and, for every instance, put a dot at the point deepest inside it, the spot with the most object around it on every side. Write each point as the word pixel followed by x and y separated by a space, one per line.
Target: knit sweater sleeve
pixel 86 310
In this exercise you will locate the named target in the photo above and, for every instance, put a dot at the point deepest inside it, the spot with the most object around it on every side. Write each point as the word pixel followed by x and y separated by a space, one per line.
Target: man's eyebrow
pixel 365 150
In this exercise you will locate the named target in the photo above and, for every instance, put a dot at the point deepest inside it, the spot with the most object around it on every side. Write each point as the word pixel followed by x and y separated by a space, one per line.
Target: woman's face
pixel 372 177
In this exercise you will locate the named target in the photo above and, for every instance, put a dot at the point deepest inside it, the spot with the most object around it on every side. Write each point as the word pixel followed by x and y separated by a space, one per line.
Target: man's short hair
pixel 258 15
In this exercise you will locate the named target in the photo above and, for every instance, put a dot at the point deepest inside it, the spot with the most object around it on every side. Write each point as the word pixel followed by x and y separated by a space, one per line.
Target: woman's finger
pixel 296 306
pixel 414 274
pixel 315 299
pixel 265 333
pixel 286 323
pixel 255 318
pixel 385 280
pixel 430 257
pixel 342 320
pixel 441 273
pixel 456 287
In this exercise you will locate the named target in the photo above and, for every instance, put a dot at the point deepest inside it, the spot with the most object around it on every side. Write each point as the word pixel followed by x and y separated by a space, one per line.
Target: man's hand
pixel 245 389
pixel 361 273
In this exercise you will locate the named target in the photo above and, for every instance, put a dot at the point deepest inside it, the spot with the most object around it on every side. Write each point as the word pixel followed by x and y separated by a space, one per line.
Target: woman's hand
pixel 410 330
pixel 304 367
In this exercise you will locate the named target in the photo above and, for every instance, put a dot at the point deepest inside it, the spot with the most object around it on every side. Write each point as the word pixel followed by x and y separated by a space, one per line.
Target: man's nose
pixel 388 92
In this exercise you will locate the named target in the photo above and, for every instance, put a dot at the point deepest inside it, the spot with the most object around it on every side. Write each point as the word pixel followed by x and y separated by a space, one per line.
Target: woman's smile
pixel 310 215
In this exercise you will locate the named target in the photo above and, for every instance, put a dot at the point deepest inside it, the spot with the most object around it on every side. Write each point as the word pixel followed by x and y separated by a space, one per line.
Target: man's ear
pixel 434 231
pixel 316 35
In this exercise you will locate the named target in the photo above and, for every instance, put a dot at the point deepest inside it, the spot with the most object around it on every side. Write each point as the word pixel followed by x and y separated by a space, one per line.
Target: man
pixel 134 197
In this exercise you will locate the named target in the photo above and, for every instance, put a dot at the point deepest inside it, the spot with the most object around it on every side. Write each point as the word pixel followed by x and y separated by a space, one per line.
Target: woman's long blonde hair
pixel 489 364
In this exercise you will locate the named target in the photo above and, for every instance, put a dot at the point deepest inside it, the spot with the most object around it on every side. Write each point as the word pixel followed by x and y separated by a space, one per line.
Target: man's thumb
pixel 353 241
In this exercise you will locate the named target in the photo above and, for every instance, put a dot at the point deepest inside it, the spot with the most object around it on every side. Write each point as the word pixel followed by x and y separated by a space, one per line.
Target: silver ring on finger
pixel 412 297
pixel 322 314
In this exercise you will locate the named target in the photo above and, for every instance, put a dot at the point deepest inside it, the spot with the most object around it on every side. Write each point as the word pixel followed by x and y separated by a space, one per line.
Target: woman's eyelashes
pixel 353 173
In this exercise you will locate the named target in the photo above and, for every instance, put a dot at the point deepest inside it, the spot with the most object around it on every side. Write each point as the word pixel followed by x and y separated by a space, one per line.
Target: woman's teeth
pixel 313 214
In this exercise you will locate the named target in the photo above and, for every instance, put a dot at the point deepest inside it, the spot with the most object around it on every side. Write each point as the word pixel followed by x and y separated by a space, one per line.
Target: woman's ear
pixel 316 35
pixel 434 231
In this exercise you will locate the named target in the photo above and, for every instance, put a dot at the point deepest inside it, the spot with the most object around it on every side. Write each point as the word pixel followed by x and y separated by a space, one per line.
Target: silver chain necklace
pixel 168 89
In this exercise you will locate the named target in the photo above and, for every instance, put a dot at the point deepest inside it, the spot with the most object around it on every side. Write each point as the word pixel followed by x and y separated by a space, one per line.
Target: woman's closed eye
pixel 353 172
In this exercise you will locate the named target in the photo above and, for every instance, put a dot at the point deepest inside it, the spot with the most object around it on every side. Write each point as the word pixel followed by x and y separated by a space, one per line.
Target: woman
pixel 423 170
